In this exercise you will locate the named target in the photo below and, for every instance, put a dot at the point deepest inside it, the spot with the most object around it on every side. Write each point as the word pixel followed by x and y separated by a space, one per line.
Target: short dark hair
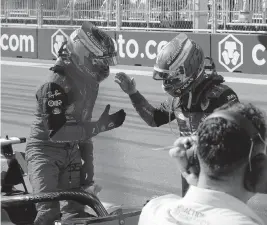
pixel 223 145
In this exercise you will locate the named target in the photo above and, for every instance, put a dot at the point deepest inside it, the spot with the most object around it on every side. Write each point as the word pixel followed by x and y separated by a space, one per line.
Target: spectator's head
pixel 91 51
pixel 179 64
pixel 231 144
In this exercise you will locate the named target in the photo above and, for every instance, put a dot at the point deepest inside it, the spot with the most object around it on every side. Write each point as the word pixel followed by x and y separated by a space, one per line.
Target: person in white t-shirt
pixel 225 165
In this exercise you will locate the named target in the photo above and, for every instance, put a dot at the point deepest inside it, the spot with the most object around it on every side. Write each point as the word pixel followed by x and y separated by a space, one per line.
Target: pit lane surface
pixel 125 165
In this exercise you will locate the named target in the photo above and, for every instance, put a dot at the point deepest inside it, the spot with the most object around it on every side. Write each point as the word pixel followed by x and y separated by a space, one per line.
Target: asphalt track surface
pixel 125 164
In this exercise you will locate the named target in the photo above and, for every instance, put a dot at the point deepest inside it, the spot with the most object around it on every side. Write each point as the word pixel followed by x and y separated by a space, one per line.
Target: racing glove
pixel 108 122
pixel 126 83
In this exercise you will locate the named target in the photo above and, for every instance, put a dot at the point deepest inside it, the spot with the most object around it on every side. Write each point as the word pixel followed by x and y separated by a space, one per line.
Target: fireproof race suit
pixel 189 111
pixel 60 133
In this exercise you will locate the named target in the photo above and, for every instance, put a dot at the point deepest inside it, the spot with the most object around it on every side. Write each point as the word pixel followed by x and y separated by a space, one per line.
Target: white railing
pixel 139 14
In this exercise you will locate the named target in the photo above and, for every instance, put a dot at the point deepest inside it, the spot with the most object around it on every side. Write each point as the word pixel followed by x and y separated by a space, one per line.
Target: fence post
pixel 196 14
pixel 6 10
pixel 118 15
pixel 264 11
pixel 202 17
pixel 147 12
pixel 214 21
pixel 71 4
pixel 107 11
pixel 39 13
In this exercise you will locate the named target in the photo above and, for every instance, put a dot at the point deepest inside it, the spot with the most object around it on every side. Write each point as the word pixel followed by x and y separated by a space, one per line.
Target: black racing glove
pixel 108 122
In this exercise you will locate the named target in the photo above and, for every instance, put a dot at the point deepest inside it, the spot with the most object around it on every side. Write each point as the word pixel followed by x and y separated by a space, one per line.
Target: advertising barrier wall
pixel 134 48
pixel 141 48
pixel 19 42
pixel 242 53
pixel 50 40
pixel 231 53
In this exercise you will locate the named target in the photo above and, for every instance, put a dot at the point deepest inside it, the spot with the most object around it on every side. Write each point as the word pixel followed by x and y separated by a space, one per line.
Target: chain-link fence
pixel 241 15
pixel 139 14
pixel 15 9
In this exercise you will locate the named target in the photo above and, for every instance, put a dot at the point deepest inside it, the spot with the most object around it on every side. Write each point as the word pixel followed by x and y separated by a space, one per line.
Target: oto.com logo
pixel 21 43
pixel 131 48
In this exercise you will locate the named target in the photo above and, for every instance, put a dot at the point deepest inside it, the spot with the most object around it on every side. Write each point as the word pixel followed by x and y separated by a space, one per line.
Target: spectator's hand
pixel 108 122
pixel 126 83
pixel 184 147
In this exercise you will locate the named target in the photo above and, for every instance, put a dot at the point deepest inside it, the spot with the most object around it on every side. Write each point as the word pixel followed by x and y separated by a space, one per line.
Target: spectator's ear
pixel 256 176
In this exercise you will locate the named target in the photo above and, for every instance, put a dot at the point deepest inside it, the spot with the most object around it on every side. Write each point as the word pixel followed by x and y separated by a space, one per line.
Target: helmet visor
pixel 160 74
pixel 110 60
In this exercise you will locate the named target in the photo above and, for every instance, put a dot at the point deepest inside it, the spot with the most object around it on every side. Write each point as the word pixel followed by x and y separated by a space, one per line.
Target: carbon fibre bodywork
pixel 18 207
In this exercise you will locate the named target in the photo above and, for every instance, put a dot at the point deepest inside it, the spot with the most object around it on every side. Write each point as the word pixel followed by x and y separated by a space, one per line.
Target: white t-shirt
pixel 198 207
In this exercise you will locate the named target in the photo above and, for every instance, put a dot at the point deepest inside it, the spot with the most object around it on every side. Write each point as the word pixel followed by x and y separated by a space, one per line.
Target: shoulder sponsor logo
pixel 191 215
pixel 230 53
pixel 57 40
pixel 56 111
pixel 50 94
pixel 231 97
pixel 54 103
pixel 110 125
pixel 14 43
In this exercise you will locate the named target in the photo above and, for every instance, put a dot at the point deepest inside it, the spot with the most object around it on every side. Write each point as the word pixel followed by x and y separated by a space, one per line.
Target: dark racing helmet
pixel 91 51
pixel 179 64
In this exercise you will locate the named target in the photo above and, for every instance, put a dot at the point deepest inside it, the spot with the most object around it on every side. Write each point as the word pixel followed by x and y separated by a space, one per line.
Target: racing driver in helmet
pixel 61 133
pixel 180 65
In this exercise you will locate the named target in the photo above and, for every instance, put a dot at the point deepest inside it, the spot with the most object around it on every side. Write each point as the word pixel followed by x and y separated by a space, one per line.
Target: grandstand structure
pixel 191 15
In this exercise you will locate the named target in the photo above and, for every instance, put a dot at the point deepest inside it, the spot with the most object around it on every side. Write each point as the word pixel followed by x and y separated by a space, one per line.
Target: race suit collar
pixel 58 67
pixel 220 200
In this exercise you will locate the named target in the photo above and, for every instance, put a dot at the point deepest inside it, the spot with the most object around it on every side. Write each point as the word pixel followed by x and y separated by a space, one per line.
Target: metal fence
pixel 244 15
pixel 239 15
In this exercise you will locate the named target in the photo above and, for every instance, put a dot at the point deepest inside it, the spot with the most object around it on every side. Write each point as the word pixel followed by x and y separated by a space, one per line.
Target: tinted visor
pixel 110 60
pixel 97 68
pixel 178 75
